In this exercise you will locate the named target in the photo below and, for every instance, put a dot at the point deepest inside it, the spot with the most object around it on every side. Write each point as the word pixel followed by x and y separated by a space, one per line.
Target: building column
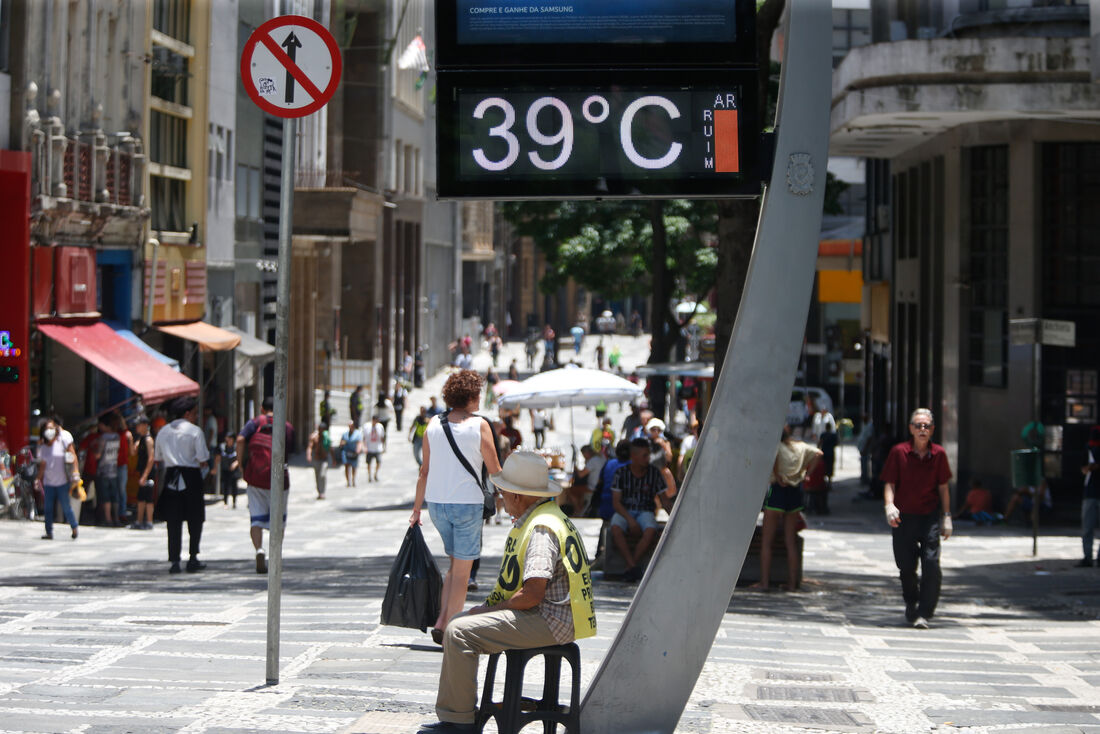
pixel 418 292
pixel 409 307
pixel 400 265
pixel 954 325
pixel 391 242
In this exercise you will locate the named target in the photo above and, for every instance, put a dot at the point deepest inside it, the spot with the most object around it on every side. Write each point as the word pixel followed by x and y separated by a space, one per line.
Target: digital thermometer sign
pixel 615 138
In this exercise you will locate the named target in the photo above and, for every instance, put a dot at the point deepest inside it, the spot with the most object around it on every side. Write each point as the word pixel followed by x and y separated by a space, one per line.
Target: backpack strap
pixel 262 422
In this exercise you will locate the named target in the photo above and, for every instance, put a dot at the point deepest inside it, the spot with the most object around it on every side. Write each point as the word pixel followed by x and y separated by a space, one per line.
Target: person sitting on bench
pixel 633 493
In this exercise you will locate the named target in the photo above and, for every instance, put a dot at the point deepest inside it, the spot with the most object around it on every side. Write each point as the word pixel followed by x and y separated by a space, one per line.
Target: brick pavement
pixel 96 637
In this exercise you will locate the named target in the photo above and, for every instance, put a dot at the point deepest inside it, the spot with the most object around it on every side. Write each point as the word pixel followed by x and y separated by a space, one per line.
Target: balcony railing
pixel 86 168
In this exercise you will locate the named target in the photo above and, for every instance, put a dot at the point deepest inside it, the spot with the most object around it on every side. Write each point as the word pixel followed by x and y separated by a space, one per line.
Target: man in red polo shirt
pixel 918 508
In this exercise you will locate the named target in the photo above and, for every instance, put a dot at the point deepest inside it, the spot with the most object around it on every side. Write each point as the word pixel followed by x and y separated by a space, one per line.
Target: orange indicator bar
pixel 725 142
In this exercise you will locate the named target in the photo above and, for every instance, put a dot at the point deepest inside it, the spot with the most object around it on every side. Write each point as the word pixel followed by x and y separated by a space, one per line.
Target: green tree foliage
pixel 607 246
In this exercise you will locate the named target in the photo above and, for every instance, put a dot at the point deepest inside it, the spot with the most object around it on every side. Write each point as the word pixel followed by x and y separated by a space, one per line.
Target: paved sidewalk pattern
pixel 97 638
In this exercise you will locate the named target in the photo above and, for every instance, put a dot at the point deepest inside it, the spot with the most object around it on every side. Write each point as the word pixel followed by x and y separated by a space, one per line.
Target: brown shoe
pixel 261 562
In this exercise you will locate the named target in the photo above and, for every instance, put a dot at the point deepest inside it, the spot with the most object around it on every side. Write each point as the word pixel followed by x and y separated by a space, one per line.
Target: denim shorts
pixel 460 528
pixel 645 520
pixel 107 490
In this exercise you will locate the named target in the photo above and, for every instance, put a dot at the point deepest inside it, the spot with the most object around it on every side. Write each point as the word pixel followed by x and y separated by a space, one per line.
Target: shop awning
pixel 100 346
pixel 137 342
pixel 254 349
pixel 210 338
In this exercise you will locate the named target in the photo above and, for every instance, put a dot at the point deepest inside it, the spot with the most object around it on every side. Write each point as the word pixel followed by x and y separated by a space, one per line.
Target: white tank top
pixel 448 481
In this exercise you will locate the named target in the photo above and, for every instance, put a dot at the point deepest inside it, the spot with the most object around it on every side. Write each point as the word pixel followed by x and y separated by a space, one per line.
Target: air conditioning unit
pixel 64 282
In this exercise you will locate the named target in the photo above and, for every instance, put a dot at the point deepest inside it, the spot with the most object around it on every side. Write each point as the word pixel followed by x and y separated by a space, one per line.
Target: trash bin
pixel 1027 468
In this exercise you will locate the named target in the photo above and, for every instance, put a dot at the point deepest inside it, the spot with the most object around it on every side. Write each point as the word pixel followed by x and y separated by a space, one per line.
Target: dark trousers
pixel 229 486
pixel 918 538
pixel 175 537
pixel 179 506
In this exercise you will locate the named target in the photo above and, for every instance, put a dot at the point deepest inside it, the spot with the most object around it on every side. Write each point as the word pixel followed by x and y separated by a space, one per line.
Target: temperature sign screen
pixel 598 141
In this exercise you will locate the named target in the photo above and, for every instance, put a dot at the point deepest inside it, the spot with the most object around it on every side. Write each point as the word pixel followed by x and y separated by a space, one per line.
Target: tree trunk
pixel 659 319
pixel 737 217
pixel 736 230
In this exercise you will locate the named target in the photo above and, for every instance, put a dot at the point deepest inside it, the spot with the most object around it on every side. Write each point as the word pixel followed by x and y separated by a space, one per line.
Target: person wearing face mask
pixel 56 464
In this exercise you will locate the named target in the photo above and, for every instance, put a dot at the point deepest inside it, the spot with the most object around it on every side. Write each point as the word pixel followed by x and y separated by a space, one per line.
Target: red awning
pixel 99 345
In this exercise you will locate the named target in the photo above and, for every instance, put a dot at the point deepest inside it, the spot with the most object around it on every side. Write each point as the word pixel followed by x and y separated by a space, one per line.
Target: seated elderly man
pixel 543 595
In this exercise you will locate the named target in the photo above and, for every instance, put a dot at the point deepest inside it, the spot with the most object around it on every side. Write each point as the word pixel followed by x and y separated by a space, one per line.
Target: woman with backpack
pixel 458 446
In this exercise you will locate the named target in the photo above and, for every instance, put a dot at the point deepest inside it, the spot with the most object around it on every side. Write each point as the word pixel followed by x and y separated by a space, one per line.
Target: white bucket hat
pixel 655 423
pixel 525 472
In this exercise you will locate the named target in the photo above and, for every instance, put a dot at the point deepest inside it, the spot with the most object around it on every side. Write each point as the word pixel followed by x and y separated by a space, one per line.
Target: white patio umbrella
pixel 683 308
pixel 567 387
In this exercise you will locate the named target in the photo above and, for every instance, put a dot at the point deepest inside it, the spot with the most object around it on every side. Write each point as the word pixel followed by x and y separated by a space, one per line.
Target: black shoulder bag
pixel 488 493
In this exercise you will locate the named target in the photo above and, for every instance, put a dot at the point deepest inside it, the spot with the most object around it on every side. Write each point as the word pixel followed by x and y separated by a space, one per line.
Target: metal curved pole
pixel 650 671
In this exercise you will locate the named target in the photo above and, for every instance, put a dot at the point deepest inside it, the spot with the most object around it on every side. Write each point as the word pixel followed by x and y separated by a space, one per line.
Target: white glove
pixel 945 528
pixel 893 515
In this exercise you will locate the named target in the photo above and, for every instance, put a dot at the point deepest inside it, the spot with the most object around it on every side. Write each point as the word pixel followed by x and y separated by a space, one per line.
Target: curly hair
pixel 461 388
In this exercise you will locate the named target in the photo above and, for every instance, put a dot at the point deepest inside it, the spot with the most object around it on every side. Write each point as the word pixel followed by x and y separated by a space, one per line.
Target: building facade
pixel 978 120
pixel 78 85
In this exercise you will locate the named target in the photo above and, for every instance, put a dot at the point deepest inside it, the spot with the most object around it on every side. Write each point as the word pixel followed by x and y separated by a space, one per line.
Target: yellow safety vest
pixel 574 559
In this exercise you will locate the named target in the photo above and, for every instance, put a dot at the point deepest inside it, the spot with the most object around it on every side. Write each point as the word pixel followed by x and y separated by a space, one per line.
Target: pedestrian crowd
pixel 475 470
pixel 162 465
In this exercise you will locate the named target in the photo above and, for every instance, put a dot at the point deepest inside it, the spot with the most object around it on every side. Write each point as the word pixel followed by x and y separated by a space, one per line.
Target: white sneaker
pixel 261 561
pixel 920 623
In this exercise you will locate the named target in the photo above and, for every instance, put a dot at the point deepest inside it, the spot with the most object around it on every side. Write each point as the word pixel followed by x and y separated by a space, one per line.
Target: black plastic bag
pixel 415 590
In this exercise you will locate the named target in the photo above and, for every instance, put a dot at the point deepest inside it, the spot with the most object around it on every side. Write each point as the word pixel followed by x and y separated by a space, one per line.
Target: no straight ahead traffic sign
pixel 290 66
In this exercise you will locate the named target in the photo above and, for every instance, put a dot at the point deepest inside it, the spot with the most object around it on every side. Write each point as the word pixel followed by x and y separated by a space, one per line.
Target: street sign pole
pixel 307 61
pixel 278 435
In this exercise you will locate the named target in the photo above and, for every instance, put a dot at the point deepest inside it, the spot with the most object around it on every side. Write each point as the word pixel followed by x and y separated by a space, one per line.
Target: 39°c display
pixel 608 140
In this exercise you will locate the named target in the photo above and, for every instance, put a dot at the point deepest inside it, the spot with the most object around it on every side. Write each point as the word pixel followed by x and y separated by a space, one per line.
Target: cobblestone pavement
pixel 96 637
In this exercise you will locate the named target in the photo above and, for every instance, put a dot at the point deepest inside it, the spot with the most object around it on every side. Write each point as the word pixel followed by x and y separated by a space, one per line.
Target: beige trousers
pixel 468 636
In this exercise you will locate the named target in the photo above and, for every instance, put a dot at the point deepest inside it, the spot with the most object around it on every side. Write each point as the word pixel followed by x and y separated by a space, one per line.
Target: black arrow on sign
pixel 291 44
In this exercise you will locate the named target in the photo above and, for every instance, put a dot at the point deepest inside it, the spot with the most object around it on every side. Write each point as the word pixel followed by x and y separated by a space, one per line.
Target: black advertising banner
pixel 594 33
pixel 595 21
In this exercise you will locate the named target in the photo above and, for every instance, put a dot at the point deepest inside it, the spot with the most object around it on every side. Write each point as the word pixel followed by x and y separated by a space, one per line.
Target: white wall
pixel 221 135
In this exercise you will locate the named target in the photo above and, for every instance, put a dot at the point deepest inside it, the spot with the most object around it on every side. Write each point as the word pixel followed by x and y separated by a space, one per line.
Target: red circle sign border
pixel 246 69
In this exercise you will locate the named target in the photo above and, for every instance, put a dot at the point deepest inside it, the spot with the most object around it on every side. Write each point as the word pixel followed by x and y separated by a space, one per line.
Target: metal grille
pixel 118 177
pixel 84 172
pixel 69 169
